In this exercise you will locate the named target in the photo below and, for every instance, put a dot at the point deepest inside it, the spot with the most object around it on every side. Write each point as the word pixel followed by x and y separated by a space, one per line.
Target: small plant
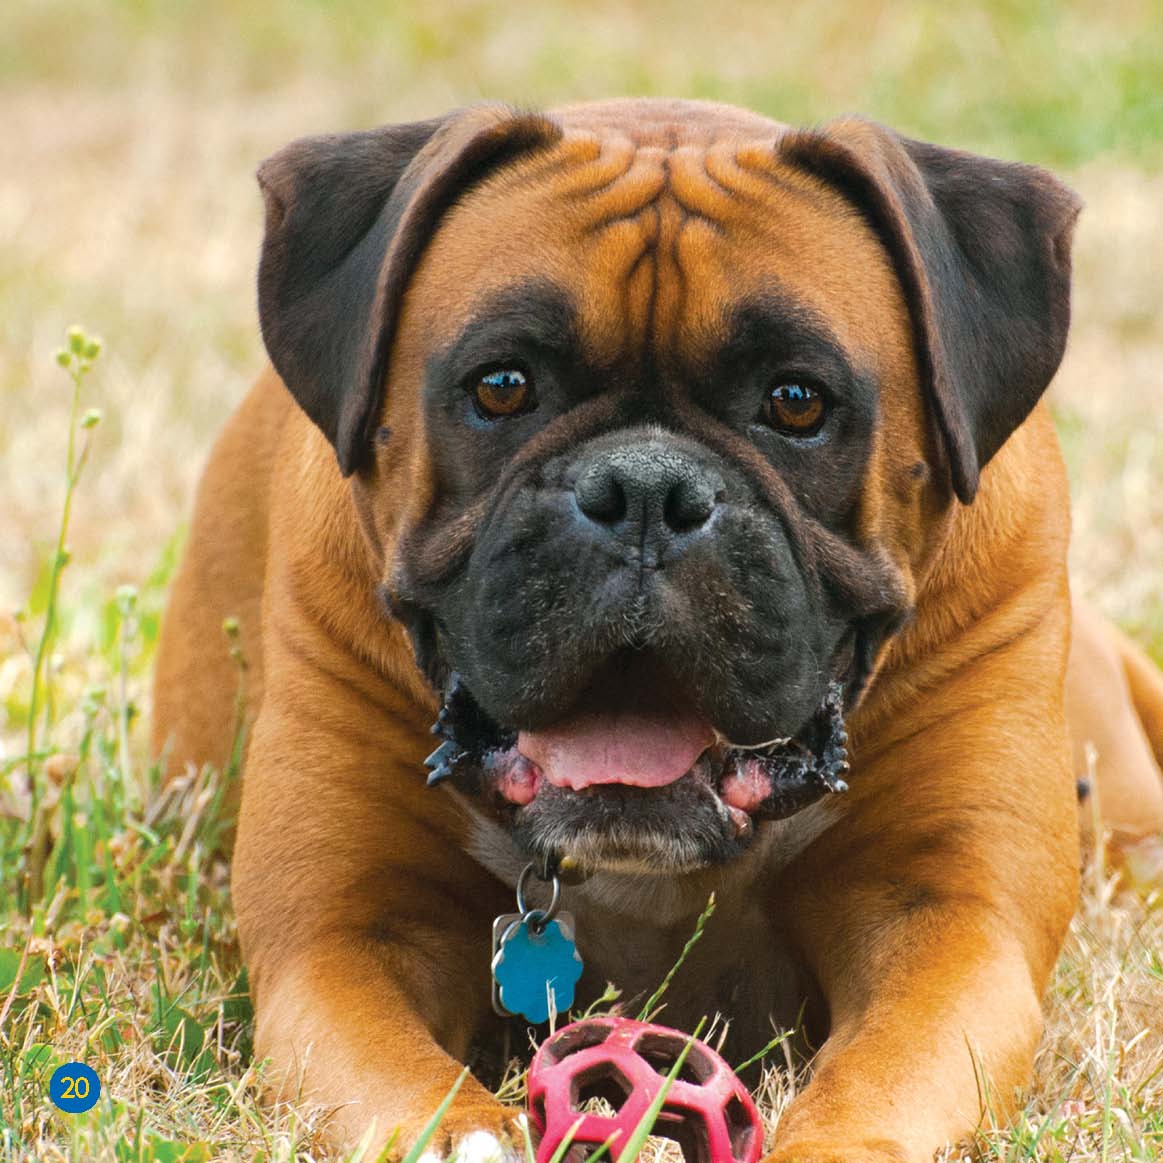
pixel 77 359
pixel 118 945
pixel 654 1002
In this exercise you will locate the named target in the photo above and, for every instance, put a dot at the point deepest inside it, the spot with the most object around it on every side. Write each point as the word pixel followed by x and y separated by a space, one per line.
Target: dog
pixel 695 465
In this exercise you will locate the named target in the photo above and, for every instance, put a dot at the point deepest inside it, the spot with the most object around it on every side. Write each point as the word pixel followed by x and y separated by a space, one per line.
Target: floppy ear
pixel 347 218
pixel 982 249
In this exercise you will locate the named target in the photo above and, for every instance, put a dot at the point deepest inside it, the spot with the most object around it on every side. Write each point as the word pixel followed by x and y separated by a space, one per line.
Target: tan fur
pixel 231 514
pixel 363 918
pixel 1114 700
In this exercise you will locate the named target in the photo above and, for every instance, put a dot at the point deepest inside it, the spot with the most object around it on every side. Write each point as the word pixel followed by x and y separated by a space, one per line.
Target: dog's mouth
pixel 634 775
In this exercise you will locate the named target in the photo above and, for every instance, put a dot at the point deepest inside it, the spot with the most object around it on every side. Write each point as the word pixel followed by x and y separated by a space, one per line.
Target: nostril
pixel 600 496
pixel 689 504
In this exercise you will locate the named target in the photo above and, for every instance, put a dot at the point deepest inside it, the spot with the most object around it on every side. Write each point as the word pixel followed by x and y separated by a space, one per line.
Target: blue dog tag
pixel 536 966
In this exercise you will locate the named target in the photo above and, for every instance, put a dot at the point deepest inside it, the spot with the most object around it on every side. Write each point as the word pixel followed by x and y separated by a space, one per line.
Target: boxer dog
pixel 695 464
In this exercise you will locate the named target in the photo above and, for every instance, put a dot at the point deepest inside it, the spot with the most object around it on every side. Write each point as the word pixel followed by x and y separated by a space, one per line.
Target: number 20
pixel 76 1087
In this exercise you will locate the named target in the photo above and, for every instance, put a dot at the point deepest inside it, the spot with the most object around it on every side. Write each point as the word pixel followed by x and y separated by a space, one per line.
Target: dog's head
pixel 650 408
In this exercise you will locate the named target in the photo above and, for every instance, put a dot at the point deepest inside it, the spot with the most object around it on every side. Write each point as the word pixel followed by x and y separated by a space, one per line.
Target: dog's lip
pixel 771 780
pixel 520 782
pixel 737 786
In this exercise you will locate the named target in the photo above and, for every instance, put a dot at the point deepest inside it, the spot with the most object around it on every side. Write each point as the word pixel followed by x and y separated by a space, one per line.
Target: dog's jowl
pixel 691 468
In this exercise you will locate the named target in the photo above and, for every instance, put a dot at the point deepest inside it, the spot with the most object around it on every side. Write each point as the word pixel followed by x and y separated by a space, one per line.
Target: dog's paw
pixel 478 1147
pixel 497 1137
pixel 481 1147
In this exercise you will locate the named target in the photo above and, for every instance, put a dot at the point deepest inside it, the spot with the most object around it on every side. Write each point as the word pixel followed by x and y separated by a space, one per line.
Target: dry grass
pixel 127 201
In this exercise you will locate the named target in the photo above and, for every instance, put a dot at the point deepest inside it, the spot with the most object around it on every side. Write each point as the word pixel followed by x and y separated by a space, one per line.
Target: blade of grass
pixel 647 1012
pixel 527 1139
pixel 778 1040
pixel 566 1142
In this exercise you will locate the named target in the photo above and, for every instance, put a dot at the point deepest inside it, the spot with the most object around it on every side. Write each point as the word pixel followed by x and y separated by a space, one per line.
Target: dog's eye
pixel 795 409
pixel 504 392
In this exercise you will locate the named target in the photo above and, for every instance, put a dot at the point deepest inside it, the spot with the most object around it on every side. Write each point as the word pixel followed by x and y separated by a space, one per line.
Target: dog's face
pixel 659 454
pixel 650 455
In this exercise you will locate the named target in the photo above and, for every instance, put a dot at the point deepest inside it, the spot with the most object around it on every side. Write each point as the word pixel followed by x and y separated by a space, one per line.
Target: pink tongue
pixel 635 748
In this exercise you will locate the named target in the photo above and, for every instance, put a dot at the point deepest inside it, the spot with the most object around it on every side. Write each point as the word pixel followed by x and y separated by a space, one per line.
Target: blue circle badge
pixel 74 1087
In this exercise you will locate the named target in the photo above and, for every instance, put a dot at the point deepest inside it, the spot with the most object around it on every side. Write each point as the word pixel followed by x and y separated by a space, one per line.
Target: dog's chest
pixel 631 930
pixel 740 973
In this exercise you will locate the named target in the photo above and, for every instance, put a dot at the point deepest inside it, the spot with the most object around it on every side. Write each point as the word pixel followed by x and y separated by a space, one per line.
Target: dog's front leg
pixel 931 917
pixel 342 1029
pixel 364 924
pixel 928 1024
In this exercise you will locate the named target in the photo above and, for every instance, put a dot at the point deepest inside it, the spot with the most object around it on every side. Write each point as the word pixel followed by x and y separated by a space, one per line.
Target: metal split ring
pixel 538 918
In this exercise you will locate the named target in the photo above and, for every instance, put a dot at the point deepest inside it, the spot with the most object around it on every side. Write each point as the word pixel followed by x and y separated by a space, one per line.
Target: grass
pixel 126 199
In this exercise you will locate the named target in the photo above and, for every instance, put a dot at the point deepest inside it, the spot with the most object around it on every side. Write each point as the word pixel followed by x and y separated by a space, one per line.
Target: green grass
pixel 1059 82
pixel 132 130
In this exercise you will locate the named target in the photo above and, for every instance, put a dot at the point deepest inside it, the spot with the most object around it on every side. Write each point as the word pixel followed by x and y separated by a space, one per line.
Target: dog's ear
pixel 982 249
pixel 347 217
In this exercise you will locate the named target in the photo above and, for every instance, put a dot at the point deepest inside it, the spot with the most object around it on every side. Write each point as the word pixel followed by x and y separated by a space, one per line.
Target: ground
pixel 131 131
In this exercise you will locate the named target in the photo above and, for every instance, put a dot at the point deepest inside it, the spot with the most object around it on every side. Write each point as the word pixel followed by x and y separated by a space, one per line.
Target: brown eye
pixel 794 409
pixel 503 393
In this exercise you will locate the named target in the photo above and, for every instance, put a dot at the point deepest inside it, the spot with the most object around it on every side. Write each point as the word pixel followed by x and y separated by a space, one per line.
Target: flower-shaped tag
pixel 532 965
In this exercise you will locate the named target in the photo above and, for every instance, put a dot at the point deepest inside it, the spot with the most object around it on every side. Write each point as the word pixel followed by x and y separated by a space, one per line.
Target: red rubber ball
pixel 707 1110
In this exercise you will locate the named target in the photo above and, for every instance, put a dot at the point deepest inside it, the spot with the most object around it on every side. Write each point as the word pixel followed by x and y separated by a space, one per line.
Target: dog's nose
pixel 648 495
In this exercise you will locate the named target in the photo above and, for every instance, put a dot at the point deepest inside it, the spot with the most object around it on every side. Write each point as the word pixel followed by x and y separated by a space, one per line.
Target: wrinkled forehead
pixel 654 234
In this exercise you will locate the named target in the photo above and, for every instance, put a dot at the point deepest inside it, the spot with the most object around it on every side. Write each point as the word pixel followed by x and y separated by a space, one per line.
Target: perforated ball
pixel 707 1110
